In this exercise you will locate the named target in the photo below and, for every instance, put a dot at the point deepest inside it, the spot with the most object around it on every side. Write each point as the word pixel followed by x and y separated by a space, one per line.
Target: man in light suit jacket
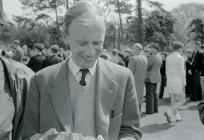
pixel 153 77
pixel 14 84
pixel 137 65
pixel 83 94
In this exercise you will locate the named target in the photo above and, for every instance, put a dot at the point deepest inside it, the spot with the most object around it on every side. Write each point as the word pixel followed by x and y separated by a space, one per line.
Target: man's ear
pixel 65 38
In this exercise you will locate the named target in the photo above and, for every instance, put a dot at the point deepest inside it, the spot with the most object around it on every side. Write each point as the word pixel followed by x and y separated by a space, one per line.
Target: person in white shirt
pixel 176 80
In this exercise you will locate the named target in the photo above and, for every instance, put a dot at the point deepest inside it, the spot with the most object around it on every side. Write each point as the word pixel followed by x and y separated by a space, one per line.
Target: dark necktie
pixel 83 72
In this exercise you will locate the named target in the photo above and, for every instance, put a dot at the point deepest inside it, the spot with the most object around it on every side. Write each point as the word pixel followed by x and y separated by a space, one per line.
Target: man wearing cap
pixel 153 78
pixel 137 65
pixel 37 59
pixel 54 57
pixel 201 104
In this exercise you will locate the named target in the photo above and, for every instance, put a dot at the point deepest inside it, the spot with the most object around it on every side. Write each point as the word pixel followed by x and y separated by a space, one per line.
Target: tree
pixel 196 32
pixel 184 14
pixel 42 10
pixel 40 7
pixel 120 7
pixel 110 38
pixel 140 25
pixel 159 28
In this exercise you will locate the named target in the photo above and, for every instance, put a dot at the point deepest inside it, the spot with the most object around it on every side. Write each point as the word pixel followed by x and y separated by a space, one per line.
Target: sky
pixel 13 7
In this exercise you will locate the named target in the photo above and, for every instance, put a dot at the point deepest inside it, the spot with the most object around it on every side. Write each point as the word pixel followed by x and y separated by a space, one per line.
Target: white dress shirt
pixel 75 69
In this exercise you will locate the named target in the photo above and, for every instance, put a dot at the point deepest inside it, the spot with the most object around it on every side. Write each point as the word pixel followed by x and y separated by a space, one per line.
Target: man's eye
pixel 96 42
pixel 83 43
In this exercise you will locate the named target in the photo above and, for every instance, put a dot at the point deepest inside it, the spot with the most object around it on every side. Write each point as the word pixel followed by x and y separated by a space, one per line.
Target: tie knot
pixel 83 72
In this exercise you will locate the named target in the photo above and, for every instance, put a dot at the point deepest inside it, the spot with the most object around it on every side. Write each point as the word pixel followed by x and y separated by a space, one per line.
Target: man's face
pixel 154 51
pixel 86 40
pixel 137 50
pixel 34 52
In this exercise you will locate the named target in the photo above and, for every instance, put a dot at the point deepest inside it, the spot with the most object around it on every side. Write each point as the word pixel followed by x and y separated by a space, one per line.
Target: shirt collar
pixel 75 68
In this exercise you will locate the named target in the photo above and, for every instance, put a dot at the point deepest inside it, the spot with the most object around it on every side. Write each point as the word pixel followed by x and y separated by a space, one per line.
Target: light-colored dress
pixel 175 72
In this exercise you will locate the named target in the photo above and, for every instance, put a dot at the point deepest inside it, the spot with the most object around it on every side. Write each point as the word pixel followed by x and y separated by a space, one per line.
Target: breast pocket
pixel 114 127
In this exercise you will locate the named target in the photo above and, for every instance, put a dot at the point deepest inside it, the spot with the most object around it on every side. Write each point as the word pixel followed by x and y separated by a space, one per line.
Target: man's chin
pixel 88 64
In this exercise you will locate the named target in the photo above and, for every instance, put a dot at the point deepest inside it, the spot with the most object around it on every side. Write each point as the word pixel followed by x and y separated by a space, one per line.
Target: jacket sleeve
pixel 181 69
pixel 131 117
pixel 131 65
pixel 17 80
pixel 31 120
pixel 20 85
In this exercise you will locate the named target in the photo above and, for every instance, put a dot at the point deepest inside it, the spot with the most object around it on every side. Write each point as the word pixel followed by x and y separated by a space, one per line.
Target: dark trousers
pixel 163 85
pixel 188 86
pixel 151 98
pixel 195 88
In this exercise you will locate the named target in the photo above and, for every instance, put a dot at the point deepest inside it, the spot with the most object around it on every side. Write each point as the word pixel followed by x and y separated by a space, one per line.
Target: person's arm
pixel 31 122
pixel 202 85
pixel 131 65
pixel 181 69
pixel 131 117
pixel 201 111
pixel 149 63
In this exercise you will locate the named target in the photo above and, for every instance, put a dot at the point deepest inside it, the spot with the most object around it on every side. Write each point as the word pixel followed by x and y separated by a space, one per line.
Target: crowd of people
pixel 88 92
pixel 178 73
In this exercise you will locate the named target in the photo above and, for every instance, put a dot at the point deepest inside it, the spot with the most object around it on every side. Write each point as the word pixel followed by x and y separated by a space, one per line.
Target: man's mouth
pixel 88 59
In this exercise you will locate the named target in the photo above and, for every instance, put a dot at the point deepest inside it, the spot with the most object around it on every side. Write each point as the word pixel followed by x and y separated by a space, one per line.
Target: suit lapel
pixel 104 99
pixel 60 97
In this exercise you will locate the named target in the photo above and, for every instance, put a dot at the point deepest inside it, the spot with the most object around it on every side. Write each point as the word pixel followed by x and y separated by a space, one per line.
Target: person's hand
pixel 99 138
pixel 45 135
pixel 128 138
pixel 189 72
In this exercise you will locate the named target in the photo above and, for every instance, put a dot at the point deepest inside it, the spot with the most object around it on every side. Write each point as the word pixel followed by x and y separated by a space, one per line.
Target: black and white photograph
pixel 101 69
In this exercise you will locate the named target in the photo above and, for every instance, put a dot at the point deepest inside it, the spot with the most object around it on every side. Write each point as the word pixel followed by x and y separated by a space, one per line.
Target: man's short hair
pixel 39 46
pixel 153 45
pixel 198 43
pixel 177 45
pixel 137 45
pixel 79 9
pixel 115 51
pixel 55 48
pixel 17 42
pixel 202 46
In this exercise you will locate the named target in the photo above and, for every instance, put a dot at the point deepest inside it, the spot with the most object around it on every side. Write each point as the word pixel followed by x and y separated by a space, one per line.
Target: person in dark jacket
pixel 14 84
pixel 163 75
pixel 55 57
pixel 196 71
pixel 37 59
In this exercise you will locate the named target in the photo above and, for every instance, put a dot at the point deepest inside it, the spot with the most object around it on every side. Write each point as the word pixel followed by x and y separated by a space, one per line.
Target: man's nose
pixel 91 50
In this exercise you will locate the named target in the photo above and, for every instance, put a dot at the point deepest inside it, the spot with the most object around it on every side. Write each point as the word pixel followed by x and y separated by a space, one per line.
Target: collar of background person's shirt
pixel 75 69
pixel 175 52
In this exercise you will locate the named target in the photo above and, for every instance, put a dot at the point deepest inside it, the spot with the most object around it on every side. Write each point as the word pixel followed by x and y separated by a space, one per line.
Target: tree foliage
pixel 196 31
pixel 41 10
pixel 159 28
pixel 184 14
